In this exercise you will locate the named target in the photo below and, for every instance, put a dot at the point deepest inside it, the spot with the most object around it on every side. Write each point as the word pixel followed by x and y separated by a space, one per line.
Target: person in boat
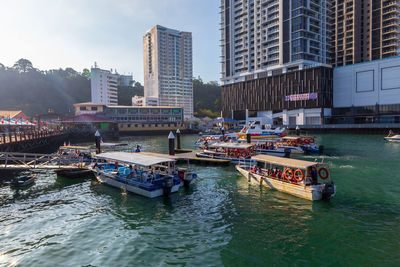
pixel 271 146
pixel 391 133
pixel 116 165
pixel 314 176
pixel 137 149
pixel 254 169
pixel 130 175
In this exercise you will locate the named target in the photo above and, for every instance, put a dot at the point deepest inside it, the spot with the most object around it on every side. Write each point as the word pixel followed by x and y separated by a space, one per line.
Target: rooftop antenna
pixel 95 64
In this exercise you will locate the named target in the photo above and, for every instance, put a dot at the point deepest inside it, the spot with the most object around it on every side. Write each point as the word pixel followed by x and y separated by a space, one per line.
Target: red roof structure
pixel 85 118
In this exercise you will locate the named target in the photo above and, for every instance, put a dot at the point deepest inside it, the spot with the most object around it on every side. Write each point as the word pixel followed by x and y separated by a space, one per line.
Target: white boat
pixel 393 138
pixel 296 177
pixel 144 175
pixel 258 131
pixel 234 152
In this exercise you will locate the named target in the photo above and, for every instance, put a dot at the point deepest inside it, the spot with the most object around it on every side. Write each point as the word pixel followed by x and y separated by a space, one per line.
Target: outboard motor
pixel 189 178
pixel 328 191
pixel 287 152
pixel 167 185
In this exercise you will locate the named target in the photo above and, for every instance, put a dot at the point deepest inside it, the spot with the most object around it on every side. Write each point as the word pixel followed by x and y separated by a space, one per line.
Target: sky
pixel 56 34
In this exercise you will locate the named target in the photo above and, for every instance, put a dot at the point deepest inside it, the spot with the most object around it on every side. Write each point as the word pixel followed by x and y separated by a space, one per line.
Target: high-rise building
pixel 104 87
pixel 168 67
pixel 276 60
pixel 365 30
pixel 274 36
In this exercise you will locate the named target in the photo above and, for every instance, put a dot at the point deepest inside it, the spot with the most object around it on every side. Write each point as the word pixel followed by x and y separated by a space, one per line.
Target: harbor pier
pixel 29 140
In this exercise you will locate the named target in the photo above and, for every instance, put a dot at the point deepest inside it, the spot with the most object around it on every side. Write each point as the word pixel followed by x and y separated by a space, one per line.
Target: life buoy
pixel 296 175
pixel 181 175
pixel 306 141
pixel 244 154
pixel 279 174
pixel 326 173
pixel 311 140
pixel 288 174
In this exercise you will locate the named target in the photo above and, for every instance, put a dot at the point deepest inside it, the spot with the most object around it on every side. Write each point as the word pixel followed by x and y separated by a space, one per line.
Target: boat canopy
pixel 292 163
pixel 232 145
pixel 133 158
pixel 291 137
pixel 113 144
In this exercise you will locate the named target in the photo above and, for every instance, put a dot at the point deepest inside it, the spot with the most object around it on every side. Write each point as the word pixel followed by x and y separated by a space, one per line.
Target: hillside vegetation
pixel 23 87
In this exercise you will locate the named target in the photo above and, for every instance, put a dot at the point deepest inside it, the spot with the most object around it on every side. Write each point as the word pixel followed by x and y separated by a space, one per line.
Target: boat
pixel 23 181
pixel 75 154
pixel 74 173
pixel 210 139
pixel 258 131
pixel 393 138
pixel 148 176
pixel 235 152
pixel 299 178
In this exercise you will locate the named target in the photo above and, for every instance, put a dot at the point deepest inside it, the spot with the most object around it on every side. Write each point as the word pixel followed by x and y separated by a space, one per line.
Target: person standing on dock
pixel 97 138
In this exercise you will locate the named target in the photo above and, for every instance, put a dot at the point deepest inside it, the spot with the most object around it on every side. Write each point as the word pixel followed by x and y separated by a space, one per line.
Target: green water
pixel 221 220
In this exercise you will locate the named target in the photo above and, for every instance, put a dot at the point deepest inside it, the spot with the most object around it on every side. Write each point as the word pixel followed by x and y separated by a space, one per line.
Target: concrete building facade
pixel 275 60
pixel 272 36
pixel 168 67
pixel 146 101
pixel 367 92
pixel 104 87
pixel 365 30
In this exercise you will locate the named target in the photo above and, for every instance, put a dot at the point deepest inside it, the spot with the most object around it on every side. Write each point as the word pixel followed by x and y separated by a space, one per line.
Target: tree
pixel 23 65
pixel 206 98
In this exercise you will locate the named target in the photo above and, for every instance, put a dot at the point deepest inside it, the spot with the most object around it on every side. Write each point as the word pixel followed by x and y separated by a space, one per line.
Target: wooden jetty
pixel 28 161
pixel 191 157
pixel 27 140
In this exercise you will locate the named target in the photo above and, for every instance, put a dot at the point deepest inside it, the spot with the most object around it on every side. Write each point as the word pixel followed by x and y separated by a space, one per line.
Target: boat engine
pixel 328 191
pixel 167 185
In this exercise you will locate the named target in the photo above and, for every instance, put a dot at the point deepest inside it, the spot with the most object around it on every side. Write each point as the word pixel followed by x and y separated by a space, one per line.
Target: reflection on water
pixel 220 220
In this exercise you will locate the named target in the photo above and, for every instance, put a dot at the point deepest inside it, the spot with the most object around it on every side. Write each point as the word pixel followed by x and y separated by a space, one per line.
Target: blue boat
pixel 23 181
pixel 144 175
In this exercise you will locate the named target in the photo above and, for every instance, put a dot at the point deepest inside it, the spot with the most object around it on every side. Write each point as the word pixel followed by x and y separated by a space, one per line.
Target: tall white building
pixel 168 67
pixel 272 36
pixel 104 87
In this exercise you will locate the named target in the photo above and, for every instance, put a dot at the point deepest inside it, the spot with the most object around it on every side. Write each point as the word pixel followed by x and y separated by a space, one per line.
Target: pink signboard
pixel 298 97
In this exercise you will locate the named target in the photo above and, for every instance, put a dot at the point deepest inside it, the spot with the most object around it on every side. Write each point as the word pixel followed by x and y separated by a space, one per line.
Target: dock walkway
pixel 191 157
pixel 28 161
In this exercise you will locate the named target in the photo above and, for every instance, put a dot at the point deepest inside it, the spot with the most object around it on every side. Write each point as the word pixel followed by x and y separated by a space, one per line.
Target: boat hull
pixel 276 153
pixel 24 181
pixel 103 178
pixel 312 192
pixel 395 138
pixel 260 136
pixel 74 173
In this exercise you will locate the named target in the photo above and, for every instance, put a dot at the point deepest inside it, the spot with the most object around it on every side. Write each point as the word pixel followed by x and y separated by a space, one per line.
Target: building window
pixel 94 108
pixel 82 108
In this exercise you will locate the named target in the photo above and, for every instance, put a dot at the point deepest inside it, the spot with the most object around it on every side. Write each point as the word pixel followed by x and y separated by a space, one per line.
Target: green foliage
pixel 33 91
pixel 206 98
pixel 125 93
